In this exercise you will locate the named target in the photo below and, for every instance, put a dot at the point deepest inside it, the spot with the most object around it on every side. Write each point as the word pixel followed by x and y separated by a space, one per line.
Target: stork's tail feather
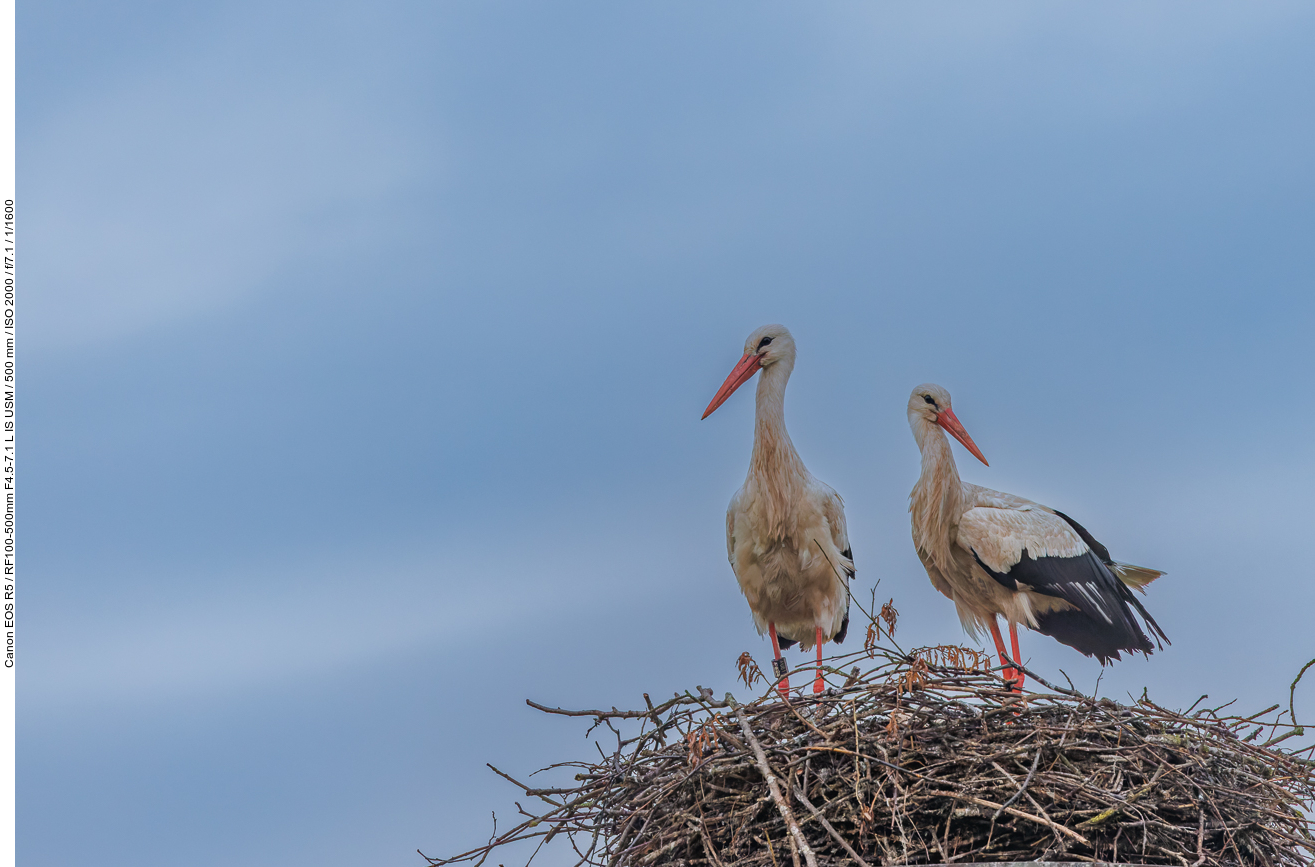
pixel 786 643
pixel 1136 577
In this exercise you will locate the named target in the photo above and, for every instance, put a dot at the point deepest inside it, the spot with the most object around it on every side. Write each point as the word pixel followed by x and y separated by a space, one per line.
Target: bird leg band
pixel 780 668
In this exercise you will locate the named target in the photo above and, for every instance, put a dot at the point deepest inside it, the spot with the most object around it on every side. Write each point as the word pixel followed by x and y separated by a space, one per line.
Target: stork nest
pixel 921 758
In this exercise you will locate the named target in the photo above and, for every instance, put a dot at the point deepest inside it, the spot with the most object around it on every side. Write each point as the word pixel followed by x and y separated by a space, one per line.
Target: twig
pixel 844 844
pixel 707 843
pixel 1016 795
pixel 1200 838
pixel 1295 733
pixel 1292 692
pixel 622 714
pixel 781 803
pixel 538 793
pixel 1039 679
pixel 1068 832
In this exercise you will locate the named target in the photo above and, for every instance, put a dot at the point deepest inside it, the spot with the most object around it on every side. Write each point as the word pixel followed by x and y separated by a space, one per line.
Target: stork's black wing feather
pixel 1104 554
pixel 1101 623
pixel 1100 550
pixel 839 637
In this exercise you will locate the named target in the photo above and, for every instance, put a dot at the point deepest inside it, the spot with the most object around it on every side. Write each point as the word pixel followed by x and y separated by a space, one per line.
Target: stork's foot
pixel 1019 679
pixel 818 685
pixel 1012 677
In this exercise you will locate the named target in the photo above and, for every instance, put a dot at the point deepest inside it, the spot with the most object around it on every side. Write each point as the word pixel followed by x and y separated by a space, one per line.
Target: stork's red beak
pixel 947 419
pixel 743 371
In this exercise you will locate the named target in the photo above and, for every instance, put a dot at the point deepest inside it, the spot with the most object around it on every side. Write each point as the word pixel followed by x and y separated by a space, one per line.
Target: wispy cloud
pixel 152 199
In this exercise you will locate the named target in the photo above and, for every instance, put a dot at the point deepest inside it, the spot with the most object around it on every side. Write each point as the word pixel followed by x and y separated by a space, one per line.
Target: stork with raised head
pixel 998 554
pixel 785 530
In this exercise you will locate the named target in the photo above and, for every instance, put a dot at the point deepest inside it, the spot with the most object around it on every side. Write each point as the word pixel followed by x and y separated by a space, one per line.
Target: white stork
pixel 785 530
pixel 997 554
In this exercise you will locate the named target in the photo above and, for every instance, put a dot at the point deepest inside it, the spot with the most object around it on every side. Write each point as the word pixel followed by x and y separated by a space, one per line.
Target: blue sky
pixel 364 350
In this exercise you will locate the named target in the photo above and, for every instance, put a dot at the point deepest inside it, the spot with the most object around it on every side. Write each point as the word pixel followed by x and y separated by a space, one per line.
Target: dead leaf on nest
pixel 749 671
pixel 890 615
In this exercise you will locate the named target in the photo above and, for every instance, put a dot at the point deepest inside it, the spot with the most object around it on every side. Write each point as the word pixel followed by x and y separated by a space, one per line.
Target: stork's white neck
pixel 774 454
pixel 777 477
pixel 936 502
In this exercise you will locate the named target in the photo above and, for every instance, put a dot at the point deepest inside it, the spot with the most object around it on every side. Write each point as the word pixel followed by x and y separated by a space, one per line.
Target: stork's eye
pixel 764 342
pixel 928 398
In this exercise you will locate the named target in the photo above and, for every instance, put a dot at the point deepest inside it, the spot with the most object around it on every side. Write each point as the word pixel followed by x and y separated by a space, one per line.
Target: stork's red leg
pixel 1008 673
pixel 1013 640
pixel 817 681
pixel 778 664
